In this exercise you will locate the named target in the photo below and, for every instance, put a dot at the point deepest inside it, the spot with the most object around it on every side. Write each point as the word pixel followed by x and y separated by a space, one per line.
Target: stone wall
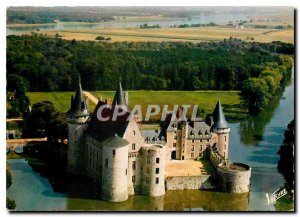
pixel 234 180
pixel 189 182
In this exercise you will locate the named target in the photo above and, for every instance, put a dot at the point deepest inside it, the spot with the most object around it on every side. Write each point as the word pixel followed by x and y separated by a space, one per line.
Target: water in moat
pixel 254 142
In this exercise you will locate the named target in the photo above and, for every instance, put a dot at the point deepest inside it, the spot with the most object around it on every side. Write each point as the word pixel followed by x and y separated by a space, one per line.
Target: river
pixel 254 141
pixel 221 18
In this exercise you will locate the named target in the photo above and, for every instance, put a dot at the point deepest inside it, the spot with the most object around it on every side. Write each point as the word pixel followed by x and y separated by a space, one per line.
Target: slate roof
pixel 198 130
pixel 116 141
pixel 79 106
pixel 102 130
pixel 219 117
pixel 119 98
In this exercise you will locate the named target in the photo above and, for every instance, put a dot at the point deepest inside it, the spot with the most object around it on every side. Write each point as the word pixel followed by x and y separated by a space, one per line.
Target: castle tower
pixel 77 117
pixel 115 169
pixel 220 127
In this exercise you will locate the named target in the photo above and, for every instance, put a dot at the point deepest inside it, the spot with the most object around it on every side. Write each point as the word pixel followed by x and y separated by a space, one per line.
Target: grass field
pixel 206 100
pixel 176 34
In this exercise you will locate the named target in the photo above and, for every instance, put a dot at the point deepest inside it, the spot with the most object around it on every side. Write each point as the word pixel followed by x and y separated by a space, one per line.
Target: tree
pixel 255 91
pixel 16 95
pixel 8 176
pixel 10 204
pixel 45 121
pixel 286 162
pixel 99 38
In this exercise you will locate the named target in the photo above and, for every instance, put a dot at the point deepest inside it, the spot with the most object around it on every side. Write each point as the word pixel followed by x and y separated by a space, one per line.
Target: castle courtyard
pixel 184 168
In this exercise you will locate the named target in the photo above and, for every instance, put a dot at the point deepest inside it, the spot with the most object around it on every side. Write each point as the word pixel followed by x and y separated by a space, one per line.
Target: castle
pixel 124 161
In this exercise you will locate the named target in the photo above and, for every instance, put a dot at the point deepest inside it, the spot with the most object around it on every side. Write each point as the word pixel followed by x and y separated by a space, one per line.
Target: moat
pixel 254 142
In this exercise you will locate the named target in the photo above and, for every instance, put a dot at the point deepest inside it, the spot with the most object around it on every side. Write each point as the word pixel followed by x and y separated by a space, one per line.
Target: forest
pixel 53 64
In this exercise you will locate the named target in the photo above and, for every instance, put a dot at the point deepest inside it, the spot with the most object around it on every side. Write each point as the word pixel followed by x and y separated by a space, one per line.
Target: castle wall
pixel 134 137
pixel 171 144
pixel 76 127
pixel 189 182
pixel 234 180
pixel 93 158
pixel 114 173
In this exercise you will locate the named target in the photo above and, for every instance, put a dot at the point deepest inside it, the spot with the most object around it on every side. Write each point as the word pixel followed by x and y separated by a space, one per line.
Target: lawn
pixel 206 100
pixel 61 100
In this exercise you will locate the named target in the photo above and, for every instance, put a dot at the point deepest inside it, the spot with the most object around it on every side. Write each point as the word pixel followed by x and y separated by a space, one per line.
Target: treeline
pixel 53 64
pixel 194 25
pixel 146 26
pixel 29 15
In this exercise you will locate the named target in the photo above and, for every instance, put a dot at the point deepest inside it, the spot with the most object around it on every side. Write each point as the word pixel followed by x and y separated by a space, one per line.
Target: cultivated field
pixel 176 34
pixel 206 100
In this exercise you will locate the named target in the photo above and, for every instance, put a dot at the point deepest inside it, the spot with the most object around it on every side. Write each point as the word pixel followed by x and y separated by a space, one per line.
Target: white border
pixel 6 3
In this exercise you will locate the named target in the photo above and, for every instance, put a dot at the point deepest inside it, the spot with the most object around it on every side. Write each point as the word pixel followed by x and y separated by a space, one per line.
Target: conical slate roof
pixel 219 117
pixel 78 104
pixel 119 98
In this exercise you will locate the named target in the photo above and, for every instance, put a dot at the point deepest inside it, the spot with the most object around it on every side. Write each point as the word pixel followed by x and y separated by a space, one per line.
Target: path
pixel 91 97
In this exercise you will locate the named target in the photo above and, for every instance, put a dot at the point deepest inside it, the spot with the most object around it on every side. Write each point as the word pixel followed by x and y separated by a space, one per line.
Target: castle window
pixel 148 170
pixel 193 140
pixel 126 172
pixel 156 170
pixel 106 163
pixel 200 148
pixel 192 155
pixel 200 140
pixel 192 148
pixel 114 152
pixel 148 159
pixel 156 180
pixel 133 146
pixel 157 160
pixel 133 179
pixel 174 144
pixel 134 132
pixel 175 137
pixel 225 138
pixel 133 165
pixel 224 146
pixel 141 168
pixel 147 179
pixel 207 140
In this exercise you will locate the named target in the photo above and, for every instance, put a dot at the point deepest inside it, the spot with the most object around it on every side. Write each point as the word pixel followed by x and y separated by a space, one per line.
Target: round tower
pixel 153 183
pixel 77 118
pixel 114 169
pixel 220 127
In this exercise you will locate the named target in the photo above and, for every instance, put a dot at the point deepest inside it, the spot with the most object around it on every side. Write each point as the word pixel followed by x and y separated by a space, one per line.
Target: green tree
pixel 255 91
pixel 45 121
pixel 8 176
pixel 286 162
pixel 10 204
pixel 99 38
